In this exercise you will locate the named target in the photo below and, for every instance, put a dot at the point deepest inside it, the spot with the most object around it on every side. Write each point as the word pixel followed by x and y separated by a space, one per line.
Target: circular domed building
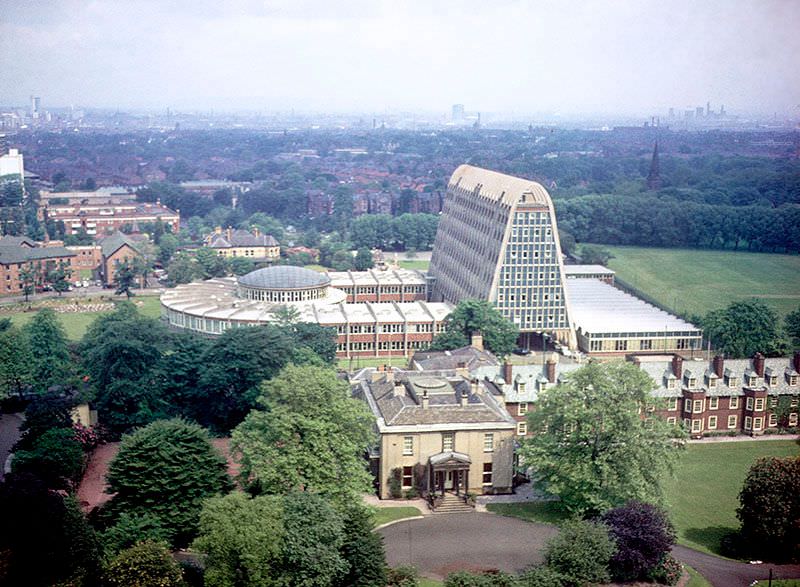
pixel 388 327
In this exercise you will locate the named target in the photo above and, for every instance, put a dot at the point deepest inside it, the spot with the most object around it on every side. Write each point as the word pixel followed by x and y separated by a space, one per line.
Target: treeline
pixel 657 222
pixel 404 232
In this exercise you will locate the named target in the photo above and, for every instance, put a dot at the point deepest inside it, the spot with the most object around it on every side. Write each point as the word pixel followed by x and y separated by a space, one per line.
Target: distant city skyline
pixel 633 58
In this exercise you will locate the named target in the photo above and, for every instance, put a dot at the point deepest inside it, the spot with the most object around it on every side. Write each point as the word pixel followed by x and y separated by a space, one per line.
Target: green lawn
pixel 703 496
pixel 76 323
pixel 546 512
pixel 385 515
pixel 696 579
pixel 418 264
pixel 424 582
pixel 696 281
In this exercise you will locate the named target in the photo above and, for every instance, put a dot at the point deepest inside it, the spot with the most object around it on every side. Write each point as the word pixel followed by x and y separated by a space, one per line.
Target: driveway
pixel 441 544
pixel 444 543
pixel 9 435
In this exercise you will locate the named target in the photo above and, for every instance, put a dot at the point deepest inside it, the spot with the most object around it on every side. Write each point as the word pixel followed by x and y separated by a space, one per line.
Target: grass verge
pixel 695 578
pixel 385 515
pixel 546 512
pixel 709 279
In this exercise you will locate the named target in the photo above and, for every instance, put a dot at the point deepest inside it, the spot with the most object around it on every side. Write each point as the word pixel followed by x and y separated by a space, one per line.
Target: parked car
pixel 521 351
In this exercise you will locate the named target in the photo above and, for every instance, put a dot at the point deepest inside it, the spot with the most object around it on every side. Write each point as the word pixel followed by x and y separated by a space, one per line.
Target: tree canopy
pixel 590 445
pixel 745 328
pixel 499 335
pixel 166 469
pixel 310 441
pixel 49 350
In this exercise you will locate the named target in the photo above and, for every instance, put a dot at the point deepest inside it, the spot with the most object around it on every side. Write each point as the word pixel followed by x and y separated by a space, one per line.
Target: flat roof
pixel 598 307
pixel 586 269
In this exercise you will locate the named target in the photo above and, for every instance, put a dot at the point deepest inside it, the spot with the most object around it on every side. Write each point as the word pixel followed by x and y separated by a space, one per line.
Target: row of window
pixel 646 344
pixel 383 345
pixel 750 423
pixel 389 328
pixel 756 404
pixel 383 289
pixel 284 296
pixel 448 443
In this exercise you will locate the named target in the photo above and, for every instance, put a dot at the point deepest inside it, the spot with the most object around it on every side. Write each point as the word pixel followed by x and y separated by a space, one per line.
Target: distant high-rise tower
pixel 654 177
pixel 36 107
pixel 458 112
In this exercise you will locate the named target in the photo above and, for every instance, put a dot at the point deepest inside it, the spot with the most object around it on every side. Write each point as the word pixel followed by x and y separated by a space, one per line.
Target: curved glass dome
pixel 284 277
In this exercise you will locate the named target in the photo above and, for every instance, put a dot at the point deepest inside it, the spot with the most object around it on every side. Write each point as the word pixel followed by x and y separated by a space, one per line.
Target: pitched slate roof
pixel 241 238
pixel 471 357
pixel 18 254
pixel 111 244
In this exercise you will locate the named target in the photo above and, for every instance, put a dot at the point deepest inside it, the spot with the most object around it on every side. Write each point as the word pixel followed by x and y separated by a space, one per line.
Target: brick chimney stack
pixel 796 361
pixel 425 400
pixel 677 366
pixel 476 340
pixel 507 372
pixel 550 368
pixel 464 398
pixel 758 364
pixel 719 365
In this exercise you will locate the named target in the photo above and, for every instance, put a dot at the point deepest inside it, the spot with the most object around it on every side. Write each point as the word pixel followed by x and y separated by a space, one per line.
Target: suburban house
pixel 241 243
pixel 442 435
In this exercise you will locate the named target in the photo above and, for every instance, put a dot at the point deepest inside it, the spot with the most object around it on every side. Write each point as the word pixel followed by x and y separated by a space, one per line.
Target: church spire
pixel 654 177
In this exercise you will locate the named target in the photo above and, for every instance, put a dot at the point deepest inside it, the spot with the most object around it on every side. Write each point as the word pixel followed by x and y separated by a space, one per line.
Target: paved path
pixel 9 434
pixel 440 544
pixel 444 543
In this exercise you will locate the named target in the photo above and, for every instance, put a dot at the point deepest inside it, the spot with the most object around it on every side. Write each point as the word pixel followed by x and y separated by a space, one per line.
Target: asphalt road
pixel 441 544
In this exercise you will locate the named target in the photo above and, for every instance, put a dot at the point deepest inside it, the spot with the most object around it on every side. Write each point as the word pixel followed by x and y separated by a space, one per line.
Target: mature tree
pixel 310 441
pixel 241 538
pixel 363 260
pixel 342 260
pixel 792 323
pixel 499 335
pixel 313 538
pixel 177 374
pixel 183 268
pixel 167 469
pixel 212 263
pixel 59 277
pixel 594 254
pixel 119 352
pixel 47 411
pixel 745 328
pixel 591 447
pixel 167 246
pixel 643 535
pixel 130 529
pixel 770 509
pixel 319 339
pixel 147 564
pixel 45 539
pixel 234 366
pixel 241 265
pixel 47 340
pixel 15 361
pixel 125 278
pixel 56 457
pixel 28 275
pixel 582 552
pixel 362 549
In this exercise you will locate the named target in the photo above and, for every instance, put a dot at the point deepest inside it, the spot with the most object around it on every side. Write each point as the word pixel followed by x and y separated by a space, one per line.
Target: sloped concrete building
pixel 498 241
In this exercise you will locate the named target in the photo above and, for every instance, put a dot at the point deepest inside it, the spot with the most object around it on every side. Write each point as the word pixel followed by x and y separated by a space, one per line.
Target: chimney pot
pixel 389 373
pixel 719 365
pixel 475 387
pixel 464 398
pixel 507 372
pixel 550 366
pixel 399 389
pixel 677 366
pixel 425 400
pixel 758 364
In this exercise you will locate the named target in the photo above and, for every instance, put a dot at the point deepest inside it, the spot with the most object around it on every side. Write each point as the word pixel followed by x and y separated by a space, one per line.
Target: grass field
pixel 418 264
pixel 696 281
pixel 703 496
pixel 75 324
pixel 385 515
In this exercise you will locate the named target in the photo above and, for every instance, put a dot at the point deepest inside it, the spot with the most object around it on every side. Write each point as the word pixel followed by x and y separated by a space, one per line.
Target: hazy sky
pixel 614 56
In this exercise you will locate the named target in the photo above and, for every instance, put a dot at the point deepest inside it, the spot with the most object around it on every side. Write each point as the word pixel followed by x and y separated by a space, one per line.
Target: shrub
pixel 395 486
pixel 130 529
pixel 402 576
pixel 581 552
pixel 144 565
pixel 770 508
pixel 542 576
pixel 411 493
pixel 668 571
pixel 643 535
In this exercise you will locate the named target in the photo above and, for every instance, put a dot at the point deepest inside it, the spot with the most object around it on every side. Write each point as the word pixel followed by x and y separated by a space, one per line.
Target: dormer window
pixel 772 380
pixel 692 382
pixel 733 381
pixel 670 384
pixel 521 387
pixel 751 380
pixel 792 379
pixel 712 382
